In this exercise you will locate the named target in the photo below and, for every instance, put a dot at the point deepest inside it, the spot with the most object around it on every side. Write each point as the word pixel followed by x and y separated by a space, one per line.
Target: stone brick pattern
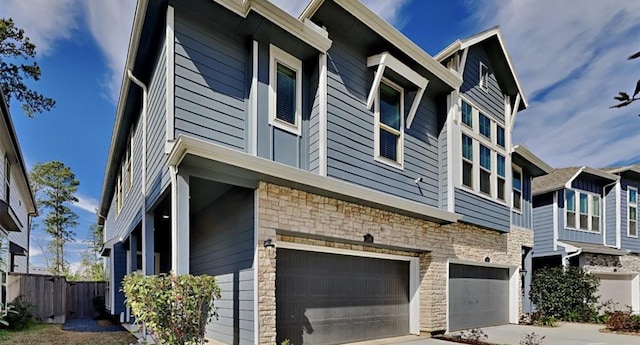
pixel 289 209
pixel 610 263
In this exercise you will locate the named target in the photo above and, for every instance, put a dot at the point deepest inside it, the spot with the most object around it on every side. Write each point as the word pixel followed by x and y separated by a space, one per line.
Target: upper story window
pixel 516 177
pixel 500 140
pixel 285 91
pixel 467 114
pixel 484 77
pixel 502 177
pixel 119 194
pixel 7 179
pixel 485 125
pixel 128 163
pixel 632 212
pixel 467 161
pixel 389 124
pixel 485 170
pixel 582 210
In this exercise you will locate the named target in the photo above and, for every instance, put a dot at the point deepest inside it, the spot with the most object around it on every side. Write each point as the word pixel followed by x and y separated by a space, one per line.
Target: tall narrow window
pixel 501 177
pixel 485 170
pixel 119 193
pixel 390 127
pixel 467 114
pixel 500 136
pixel 485 125
pixel 595 213
pixel 129 162
pixel 467 161
pixel 516 176
pixel 285 90
pixel 484 77
pixel 584 211
pixel 570 201
pixel 7 180
pixel 632 212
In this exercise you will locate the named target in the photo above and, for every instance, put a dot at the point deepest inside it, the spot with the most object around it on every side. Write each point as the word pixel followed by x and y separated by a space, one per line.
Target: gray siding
pixel 211 86
pixel 523 219
pixel 571 234
pixel 491 102
pixel 611 217
pixel 481 211
pixel 314 125
pixel 222 245
pixel 350 132
pixel 543 224
pixel 443 167
pixel 629 243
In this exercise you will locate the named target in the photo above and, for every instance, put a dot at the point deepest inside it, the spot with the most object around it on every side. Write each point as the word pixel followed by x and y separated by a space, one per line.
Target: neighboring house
pixel 340 183
pixel 587 217
pixel 17 204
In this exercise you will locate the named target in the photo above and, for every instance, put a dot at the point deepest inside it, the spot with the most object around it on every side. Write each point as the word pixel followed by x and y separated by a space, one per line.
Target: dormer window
pixel 484 77
pixel 582 210
pixel 285 91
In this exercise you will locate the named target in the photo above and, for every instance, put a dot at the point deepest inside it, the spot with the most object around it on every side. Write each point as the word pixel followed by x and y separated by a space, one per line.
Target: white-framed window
pixel 389 124
pixel 484 123
pixel 7 179
pixel 484 77
pixel 632 211
pixel 128 162
pixel 467 114
pixel 516 178
pixel 119 194
pixel 485 170
pixel 285 91
pixel 582 210
pixel 502 176
pixel 500 138
pixel 467 161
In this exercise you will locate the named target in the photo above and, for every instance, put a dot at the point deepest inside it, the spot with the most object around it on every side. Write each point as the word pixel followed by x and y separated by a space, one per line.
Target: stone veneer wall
pixel 610 263
pixel 284 208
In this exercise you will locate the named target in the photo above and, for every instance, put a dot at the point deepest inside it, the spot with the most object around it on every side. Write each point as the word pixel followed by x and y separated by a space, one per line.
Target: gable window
pixel 632 212
pixel 516 176
pixel 285 91
pixel 501 176
pixel 485 125
pixel 485 169
pixel 484 77
pixel 467 114
pixel 7 180
pixel 500 136
pixel 467 161
pixel 582 210
pixel 389 123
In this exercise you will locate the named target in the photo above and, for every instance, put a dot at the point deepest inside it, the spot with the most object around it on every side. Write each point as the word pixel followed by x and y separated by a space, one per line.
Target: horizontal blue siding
pixel 350 132
pixel 523 219
pixel 210 83
pixel 628 243
pixel 491 102
pixel 571 234
pixel 443 167
pixel 314 125
pixel 119 268
pixel 481 211
pixel 543 224
pixel 611 216
pixel 222 245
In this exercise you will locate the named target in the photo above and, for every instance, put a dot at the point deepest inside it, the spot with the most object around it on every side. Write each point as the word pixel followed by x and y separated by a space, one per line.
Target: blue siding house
pixel 324 168
pixel 587 217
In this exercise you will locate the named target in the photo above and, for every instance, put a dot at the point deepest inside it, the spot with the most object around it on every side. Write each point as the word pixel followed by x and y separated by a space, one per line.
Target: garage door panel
pixel 341 298
pixel 478 296
pixel 616 288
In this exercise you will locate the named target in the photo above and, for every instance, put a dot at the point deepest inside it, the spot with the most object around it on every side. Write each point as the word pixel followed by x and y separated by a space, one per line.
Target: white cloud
pixel 87 203
pixel 571 60
pixel 44 21
pixel 387 9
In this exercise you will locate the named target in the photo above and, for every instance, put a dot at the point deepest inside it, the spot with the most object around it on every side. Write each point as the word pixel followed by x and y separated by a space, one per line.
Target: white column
pixel 148 248
pixel 179 222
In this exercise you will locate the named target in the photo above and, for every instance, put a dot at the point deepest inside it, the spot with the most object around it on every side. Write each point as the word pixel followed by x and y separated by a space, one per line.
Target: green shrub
pixel 623 321
pixel 532 339
pixel 21 315
pixel 176 308
pixel 565 293
pixel 547 321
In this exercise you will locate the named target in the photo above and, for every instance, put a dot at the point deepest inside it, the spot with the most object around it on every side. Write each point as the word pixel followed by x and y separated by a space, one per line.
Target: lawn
pixel 48 334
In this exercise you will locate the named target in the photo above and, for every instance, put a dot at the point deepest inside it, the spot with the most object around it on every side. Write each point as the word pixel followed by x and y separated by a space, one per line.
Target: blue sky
pixel 570 57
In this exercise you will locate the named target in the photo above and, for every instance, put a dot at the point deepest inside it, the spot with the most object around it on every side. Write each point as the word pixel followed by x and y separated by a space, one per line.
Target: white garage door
pixel 615 287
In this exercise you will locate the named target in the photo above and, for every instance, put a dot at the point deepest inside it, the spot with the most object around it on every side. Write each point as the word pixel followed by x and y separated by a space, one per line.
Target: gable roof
pixel 389 33
pixel 538 167
pixel 559 178
pixel 484 36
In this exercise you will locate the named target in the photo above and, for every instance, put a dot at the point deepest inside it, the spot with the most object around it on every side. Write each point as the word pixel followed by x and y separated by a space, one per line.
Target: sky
pixel 570 57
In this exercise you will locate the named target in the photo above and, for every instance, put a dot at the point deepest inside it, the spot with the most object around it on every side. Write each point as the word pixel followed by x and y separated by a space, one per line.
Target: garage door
pixel 330 299
pixel 478 296
pixel 616 288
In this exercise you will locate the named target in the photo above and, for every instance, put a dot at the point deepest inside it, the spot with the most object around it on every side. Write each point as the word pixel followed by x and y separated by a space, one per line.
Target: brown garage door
pixel 330 299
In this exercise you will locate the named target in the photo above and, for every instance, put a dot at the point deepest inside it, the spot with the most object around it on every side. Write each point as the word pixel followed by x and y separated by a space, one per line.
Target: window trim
pixel 467 160
pixel 483 82
pixel 7 179
pixel 119 201
pixel 279 56
pixel 503 178
pixel 128 162
pixel 629 205
pixel 378 125
pixel 517 168
pixel 577 193
pixel 489 171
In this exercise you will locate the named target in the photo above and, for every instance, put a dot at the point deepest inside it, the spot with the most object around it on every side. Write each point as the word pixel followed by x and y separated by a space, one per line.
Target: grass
pixel 48 334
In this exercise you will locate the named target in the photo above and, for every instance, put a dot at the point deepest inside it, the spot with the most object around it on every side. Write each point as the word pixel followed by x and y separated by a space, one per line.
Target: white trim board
pixel 414 273
pixel 170 76
pixel 277 57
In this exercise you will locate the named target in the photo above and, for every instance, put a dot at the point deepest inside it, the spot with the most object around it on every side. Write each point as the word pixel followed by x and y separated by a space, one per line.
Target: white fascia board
pixel 448 51
pixel 568 248
pixel 570 181
pixel 385 60
pixel 618 215
pixel 191 146
pixel 532 158
pixel 555 220
pixel 601 173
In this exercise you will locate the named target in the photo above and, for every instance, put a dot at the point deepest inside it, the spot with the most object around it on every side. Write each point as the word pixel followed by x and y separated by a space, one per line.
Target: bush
pixel 548 321
pixel 565 293
pixel 623 321
pixel 21 315
pixel 176 308
pixel 532 339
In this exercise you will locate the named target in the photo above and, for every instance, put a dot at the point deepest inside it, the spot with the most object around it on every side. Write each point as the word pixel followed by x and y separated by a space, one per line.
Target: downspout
pixel 604 212
pixel 566 258
pixel 143 184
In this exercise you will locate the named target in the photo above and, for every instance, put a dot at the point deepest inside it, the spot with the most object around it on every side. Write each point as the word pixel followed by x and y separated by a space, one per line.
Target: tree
pixel 91 266
pixel 624 97
pixel 56 185
pixel 16 51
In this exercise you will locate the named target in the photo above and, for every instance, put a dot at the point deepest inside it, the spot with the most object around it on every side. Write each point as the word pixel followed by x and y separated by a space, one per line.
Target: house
pixel 17 204
pixel 340 182
pixel 587 217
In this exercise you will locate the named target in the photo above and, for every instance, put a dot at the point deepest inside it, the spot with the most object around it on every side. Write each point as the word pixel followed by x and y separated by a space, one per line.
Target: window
pixel 484 77
pixel 285 91
pixel 500 136
pixel 632 212
pixel 516 176
pixel 467 161
pixel 485 169
pixel 485 126
pixel 582 210
pixel 501 176
pixel 7 180
pixel 467 114
pixel 119 194
pixel 128 162
pixel 389 123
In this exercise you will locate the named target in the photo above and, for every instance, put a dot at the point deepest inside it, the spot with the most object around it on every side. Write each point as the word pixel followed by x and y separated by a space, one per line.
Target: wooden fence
pixel 55 298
